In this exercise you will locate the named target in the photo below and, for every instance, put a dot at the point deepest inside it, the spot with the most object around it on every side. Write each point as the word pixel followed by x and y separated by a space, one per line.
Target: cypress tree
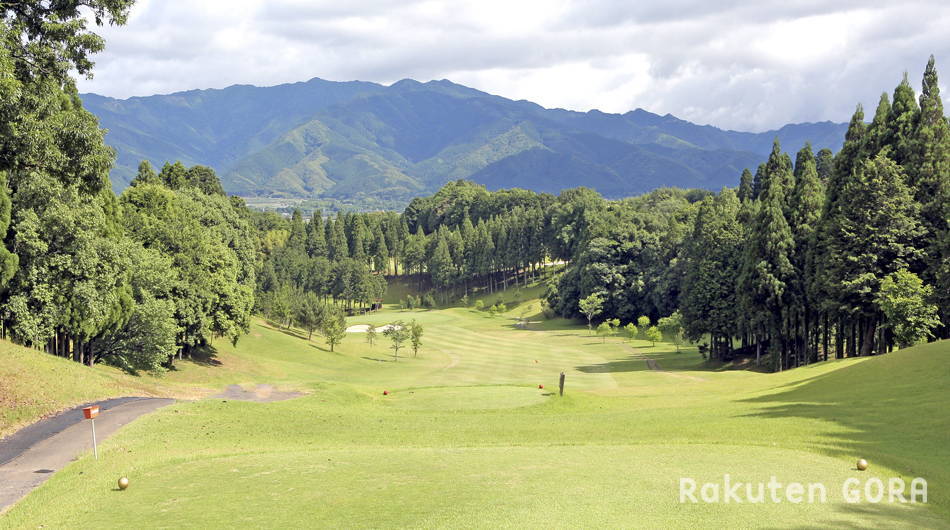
pixel 757 181
pixel 745 185
pixel 357 239
pixel 297 241
pixel 767 267
pixel 337 245
pixel 901 124
pixel 879 130
pixel 825 164
pixel 930 182
pixel 9 262
pixel 874 232
pixel 806 203
pixel 316 238
pixel 850 155
pixel 380 254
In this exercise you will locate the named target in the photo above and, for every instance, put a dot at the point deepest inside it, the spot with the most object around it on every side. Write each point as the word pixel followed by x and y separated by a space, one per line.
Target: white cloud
pixel 740 65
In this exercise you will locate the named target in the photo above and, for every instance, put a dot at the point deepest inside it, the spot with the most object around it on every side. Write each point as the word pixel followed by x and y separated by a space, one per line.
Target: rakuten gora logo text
pixel 853 490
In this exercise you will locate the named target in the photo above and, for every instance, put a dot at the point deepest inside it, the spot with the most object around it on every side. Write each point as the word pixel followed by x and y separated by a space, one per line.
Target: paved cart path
pixel 32 454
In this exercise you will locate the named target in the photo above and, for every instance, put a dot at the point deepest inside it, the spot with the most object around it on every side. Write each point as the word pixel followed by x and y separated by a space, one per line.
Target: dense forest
pixel 824 256
pixel 831 255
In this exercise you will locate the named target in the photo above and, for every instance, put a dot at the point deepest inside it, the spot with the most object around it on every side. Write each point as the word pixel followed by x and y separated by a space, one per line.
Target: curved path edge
pixel 31 455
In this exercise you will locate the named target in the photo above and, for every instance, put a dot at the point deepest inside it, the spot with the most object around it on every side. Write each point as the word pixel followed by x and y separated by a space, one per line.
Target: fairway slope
pixel 461 435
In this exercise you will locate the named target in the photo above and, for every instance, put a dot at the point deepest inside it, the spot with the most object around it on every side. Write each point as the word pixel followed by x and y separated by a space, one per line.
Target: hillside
pixel 356 139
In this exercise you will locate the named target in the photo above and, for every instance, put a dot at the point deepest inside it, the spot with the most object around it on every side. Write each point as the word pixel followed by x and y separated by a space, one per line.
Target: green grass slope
pixel 34 384
pixel 466 437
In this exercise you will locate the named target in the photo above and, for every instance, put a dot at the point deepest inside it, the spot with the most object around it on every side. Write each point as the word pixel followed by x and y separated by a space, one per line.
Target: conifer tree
pixel 806 205
pixel 874 232
pixel 930 182
pixel 316 238
pixel 297 240
pixel 745 185
pixel 901 124
pixel 825 164
pixel 357 239
pixel 9 262
pixel 337 246
pixel 767 267
pixel 879 130
pixel 380 254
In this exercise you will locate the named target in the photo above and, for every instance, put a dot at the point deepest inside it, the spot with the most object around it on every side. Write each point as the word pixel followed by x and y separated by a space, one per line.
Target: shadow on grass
pixel 377 359
pixel 290 332
pixel 669 361
pixel 881 515
pixel 629 364
pixel 321 348
pixel 889 409
pixel 205 356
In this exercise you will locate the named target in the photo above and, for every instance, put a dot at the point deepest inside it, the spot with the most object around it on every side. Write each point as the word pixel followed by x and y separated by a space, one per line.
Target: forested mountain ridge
pixel 344 140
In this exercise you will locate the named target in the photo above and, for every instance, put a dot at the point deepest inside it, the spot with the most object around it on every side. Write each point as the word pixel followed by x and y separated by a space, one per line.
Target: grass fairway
pixel 467 439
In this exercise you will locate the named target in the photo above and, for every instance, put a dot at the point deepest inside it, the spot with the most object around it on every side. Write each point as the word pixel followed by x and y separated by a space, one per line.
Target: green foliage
pixel 371 335
pixel 714 257
pixel 415 336
pixel 654 335
pixel 428 301
pixel 631 330
pixel 591 307
pixel 9 262
pixel 872 233
pixel 333 326
pixel 212 249
pixel 310 312
pixel 145 341
pixel 903 300
pixel 398 333
pixel 672 328
pixel 604 329
pixel 479 305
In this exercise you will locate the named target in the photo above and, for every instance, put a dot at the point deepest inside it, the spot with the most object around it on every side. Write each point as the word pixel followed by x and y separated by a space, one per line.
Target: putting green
pixel 467 398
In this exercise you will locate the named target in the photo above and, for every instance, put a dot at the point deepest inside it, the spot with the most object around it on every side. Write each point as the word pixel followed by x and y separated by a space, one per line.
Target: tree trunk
pixel 867 341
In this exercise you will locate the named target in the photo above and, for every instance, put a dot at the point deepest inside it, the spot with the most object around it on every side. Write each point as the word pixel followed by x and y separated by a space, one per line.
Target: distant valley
pixel 359 140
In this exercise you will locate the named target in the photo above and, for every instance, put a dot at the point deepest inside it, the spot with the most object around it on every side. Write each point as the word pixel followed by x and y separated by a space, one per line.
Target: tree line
pixel 133 279
pixel 829 255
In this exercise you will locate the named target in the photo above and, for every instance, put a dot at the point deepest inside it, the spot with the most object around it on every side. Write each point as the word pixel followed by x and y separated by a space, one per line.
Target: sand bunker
pixel 363 328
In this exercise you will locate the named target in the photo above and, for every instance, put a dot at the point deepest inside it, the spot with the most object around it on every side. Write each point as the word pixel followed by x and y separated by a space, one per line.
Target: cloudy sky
pixel 738 65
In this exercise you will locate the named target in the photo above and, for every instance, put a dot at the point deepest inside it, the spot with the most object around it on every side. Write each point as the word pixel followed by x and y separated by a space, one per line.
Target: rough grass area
pixel 467 439
pixel 34 384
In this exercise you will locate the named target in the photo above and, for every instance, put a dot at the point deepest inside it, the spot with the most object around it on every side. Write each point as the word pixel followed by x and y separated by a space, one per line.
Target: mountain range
pixel 357 139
